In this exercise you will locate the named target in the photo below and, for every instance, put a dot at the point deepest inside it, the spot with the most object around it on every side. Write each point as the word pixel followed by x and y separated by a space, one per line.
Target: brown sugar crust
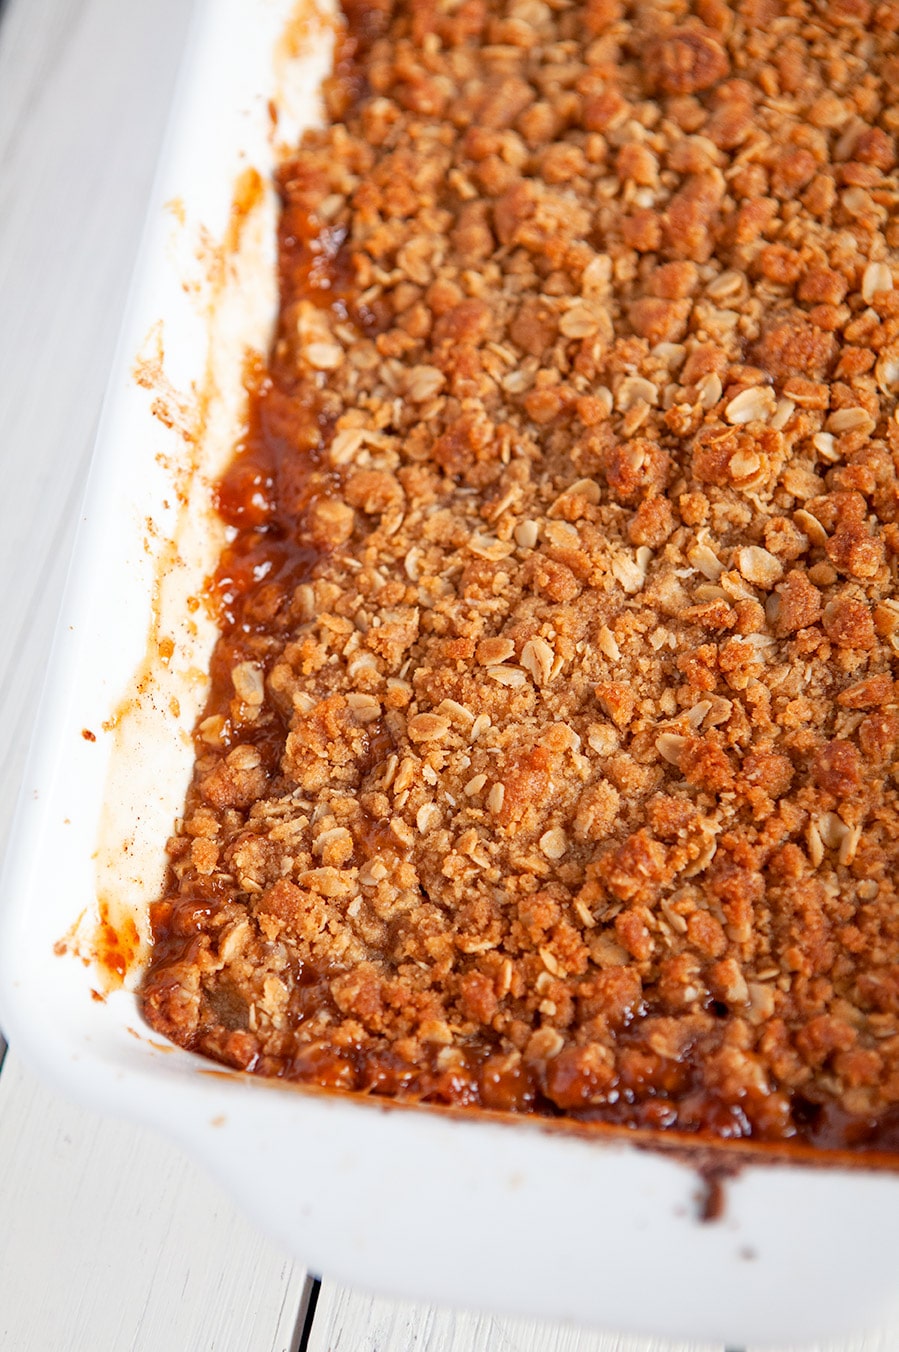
pixel 550 759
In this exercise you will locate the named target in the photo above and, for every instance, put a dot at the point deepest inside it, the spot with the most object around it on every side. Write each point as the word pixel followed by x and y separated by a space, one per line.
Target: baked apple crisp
pixel 549 763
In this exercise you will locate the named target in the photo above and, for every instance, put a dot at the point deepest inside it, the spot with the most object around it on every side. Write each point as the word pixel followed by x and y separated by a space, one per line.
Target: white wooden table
pixel 109 1238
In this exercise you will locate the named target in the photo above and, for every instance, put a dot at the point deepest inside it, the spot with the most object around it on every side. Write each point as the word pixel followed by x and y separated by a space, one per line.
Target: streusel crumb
pixel 550 759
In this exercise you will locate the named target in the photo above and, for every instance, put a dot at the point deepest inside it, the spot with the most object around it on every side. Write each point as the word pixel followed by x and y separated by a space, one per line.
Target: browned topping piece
pixel 550 757
pixel 685 61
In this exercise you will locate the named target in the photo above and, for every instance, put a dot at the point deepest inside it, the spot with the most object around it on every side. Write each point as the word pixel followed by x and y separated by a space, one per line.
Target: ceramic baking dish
pixel 516 1218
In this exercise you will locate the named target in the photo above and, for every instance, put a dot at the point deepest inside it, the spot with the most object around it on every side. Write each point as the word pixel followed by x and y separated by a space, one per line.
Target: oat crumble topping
pixel 550 760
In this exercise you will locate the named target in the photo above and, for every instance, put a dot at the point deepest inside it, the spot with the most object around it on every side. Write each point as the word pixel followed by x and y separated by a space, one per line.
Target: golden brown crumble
pixel 550 761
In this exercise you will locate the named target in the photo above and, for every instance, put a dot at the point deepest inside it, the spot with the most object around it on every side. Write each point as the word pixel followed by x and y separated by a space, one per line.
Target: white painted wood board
pixel 85 87
pixel 886 1340
pixel 111 1240
pixel 350 1321
pixel 353 1321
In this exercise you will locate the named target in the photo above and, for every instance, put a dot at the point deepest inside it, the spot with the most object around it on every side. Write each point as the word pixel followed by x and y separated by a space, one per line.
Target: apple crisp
pixel 549 763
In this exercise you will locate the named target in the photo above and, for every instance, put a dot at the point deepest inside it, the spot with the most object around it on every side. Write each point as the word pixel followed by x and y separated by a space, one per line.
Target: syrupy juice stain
pixel 264 495
pixel 116 947
pixel 112 943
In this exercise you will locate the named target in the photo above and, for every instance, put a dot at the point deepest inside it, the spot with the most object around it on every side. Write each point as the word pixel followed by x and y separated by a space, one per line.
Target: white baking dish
pixel 511 1217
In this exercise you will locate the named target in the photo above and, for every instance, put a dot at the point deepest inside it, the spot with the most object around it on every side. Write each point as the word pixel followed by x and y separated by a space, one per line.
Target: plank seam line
pixel 306 1314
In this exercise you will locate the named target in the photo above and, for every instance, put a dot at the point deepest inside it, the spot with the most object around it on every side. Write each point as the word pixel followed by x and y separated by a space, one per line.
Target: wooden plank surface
pixel 354 1321
pixel 349 1321
pixel 84 94
pixel 111 1239
pixel 886 1340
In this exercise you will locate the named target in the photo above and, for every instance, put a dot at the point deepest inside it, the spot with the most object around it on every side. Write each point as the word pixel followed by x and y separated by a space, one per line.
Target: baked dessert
pixel 549 758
